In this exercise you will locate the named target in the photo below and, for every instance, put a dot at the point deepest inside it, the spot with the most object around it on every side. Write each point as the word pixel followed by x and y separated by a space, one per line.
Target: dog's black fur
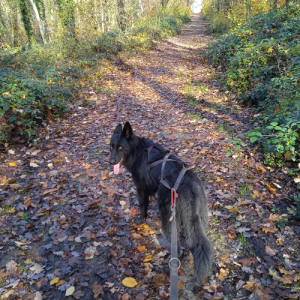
pixel 191 206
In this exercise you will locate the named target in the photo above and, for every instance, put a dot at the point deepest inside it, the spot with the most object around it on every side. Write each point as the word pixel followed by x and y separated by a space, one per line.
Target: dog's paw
pixel 139 221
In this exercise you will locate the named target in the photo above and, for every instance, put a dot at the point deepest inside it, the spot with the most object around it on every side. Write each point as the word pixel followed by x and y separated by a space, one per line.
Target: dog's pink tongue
pixel 117 168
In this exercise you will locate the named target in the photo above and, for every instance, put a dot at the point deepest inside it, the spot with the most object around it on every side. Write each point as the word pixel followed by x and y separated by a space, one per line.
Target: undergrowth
pixel 38 81
pixel 262 62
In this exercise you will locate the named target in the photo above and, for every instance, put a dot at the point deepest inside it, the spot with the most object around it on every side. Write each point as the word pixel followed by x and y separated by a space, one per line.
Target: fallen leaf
pixel 97 290
pixel 10 266
pixel 15 186
pixel 232 236
pixel 78 294
pixel 60 282
pixel 225 258
pixel 12 210
pixel 142 248
pixel 270 251
pixel 285 272
pixel 148 257
pixel 280 241
pixel 287 279
pixel 274 217
pixel 104 175
pixel 70 291
pixel 270 188
pixel 129 282
pixel 159 280
pixel 126 297
pixel 34 165
pixel 251 285
pixel 261 168
pixel 223 273
pixel 247 261
pixel 42 282
pixel 180 285
pixel 274 274
pixel 53 281
pixel 38 296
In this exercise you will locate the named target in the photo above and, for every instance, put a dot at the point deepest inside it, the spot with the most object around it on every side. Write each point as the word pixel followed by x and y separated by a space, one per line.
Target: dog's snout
pixel 112 161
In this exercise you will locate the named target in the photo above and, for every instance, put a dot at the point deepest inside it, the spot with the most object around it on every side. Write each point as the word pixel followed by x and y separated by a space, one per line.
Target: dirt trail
pixel 71 225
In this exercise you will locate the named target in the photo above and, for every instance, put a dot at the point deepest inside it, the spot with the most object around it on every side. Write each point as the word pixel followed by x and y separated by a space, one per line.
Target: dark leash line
pixel 174 262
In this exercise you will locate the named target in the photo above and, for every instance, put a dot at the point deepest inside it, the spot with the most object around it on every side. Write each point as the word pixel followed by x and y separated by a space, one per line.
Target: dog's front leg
pixel 144 203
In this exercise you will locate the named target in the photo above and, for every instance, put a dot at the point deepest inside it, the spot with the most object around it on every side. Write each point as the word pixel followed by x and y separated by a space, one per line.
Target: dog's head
pixel 119 145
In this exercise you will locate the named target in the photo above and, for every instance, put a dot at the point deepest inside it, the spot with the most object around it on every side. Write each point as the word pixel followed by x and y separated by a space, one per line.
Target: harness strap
pixel 155 163
pixel 179 178
pixel 163 164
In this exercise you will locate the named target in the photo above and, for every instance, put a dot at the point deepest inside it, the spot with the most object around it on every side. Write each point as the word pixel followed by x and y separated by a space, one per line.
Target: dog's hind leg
pixel 143 199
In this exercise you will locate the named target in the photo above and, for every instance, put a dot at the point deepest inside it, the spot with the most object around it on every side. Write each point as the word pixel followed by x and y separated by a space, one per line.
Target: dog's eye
pixel 120 148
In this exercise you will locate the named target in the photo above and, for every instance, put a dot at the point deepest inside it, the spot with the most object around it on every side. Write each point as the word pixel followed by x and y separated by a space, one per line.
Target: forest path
pixel 67 226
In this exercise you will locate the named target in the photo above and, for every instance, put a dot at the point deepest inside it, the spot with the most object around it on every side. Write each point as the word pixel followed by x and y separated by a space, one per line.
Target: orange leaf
pixel 231 236
pixel 271 189
pixel 223 273
pixel 142 248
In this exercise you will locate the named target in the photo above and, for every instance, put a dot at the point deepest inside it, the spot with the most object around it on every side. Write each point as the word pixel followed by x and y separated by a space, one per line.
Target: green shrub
pixel 262 61
pixel 25 103
pixel 141 35
pixel 36 81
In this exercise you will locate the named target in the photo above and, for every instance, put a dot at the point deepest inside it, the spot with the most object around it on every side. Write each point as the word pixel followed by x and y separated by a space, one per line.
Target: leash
pixel 174 262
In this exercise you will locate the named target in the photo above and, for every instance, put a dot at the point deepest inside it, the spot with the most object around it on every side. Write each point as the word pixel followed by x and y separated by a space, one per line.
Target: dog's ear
pixel 118 129
pixel 127 130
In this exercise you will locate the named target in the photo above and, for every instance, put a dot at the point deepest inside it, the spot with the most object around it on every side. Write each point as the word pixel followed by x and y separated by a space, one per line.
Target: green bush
pixel 25 103
pixel 36 80
pixel 262 61
pixel 141 35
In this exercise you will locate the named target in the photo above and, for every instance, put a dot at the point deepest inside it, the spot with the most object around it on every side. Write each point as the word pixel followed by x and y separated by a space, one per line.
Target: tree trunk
pixel 105 16
pixel 248 8
pixel 275 5
pixel 121 14
pixel 164 3
pixel 67 14
pixel 8 35
pixel 40 4
pixel 26 18
pixel 37 16
pixel 140 8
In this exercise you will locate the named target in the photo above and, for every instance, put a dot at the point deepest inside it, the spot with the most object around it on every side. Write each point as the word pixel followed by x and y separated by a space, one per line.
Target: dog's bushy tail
pixel 195 221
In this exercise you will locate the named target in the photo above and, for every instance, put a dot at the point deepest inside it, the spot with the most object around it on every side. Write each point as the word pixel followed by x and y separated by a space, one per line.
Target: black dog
pixel 131 151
